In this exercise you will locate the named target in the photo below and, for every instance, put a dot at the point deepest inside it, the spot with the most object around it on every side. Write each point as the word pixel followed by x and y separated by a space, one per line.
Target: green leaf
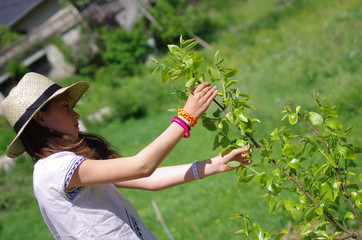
pixel 217 59
pixel 330 111
pixel 154 60
pixel 230 117
pixel 270 203
pixel 190 84
pixel 321 225
pixel 334 125
pixel 281 234
pixel 293 118
pixel 315 119
pixel 175 50
pixel 258 232
pixel 306 230
pixel 156 69
pixel 209 124
pixel 349 215
pixel 234 164
pixel 265 142
pixel 274 135
pixel 288 205
pixel 239 113
pixel 288 150
pixel 319 210
pixel 213 73
pixel 229 83
pixel 296 214
pixel 224 126
pixel 309 214
pixel 327 191
pixel 176 74
pixel 262 178
pixel 270 185
pixel 346 152
pixel 294 163
pixel 359 194
pixel 245 223
pixel 165 75
pixel 239 232
pixel 330 158
pixel 322 235
pixel 188 73
pixel 191 45
pixel 311 140
pixel 231 73
pixel 197 60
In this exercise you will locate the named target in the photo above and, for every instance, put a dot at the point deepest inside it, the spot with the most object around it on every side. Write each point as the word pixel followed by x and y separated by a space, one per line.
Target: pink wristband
pixel 182 124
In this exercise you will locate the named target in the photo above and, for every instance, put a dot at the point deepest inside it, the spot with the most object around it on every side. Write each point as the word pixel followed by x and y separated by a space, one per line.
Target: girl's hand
pixel 199 100
pixel 240 154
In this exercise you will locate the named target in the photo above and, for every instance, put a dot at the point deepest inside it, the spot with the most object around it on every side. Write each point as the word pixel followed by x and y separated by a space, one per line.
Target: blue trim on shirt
pixel 74 164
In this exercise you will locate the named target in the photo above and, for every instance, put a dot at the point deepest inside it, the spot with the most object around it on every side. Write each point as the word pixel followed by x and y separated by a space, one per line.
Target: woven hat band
pixel 32 108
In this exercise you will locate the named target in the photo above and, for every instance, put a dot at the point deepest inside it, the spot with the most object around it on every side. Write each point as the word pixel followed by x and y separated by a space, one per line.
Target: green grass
pixel 284 54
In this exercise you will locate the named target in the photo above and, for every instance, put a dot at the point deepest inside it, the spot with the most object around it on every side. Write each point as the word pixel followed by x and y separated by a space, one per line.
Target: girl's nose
pixel 75 115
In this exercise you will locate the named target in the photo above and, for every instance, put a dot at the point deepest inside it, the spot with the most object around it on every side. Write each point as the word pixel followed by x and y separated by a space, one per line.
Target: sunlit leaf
pixel 288 150
pixel 349 215
pixel 281 234
pixel 262 178
pixel 316 119
pixel 334 124
pixel 322 235
pixel 359 194
pixel 234 164
pixel 274 135
pixel 306 230
pixel 246 229
pixel 258 232
pixel 346 152
pixel 293 118
pixel 175 50
pixel 240 114
pixel 288 205
pixel 191 45
pixel 294 163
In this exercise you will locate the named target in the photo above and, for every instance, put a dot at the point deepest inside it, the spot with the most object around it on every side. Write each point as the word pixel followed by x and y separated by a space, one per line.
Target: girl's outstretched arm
pixel 143 164
pixel 166 177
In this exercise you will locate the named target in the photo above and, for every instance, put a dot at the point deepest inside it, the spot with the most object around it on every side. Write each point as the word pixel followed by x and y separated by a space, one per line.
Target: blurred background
pixel 284 50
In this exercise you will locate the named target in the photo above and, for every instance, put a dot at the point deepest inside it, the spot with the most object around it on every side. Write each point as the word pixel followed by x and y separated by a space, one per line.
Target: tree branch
pixel 329 216
pixel 335 169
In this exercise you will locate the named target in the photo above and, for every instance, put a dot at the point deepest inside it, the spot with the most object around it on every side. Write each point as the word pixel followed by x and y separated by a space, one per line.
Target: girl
pixel 77 192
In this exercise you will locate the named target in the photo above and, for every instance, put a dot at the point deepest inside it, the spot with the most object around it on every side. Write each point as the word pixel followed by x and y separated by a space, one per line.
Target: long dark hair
pixel 40 142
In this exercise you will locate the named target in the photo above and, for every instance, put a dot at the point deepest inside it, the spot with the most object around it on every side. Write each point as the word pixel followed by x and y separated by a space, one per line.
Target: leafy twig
pixel 335 169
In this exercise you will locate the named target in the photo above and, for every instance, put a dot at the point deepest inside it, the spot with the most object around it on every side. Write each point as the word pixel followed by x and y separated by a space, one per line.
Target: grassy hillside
pixel 284 53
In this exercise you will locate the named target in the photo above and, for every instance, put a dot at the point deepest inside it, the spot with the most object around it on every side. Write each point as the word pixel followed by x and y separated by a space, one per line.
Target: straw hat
pixel 28 97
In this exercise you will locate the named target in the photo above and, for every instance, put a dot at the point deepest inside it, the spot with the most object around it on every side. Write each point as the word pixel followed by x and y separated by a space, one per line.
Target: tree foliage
pixel 314 178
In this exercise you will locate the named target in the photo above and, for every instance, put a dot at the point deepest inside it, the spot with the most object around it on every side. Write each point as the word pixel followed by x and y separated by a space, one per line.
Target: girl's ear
pixel 39 118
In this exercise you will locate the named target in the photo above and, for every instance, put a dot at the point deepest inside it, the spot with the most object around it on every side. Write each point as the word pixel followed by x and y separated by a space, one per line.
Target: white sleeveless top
pixel 91 212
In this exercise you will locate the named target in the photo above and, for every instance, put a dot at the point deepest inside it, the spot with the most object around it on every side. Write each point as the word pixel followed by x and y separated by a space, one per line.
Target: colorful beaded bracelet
pixel 188 117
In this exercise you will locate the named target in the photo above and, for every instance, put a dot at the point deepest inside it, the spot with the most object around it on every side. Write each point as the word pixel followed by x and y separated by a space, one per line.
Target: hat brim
pixel 74 92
